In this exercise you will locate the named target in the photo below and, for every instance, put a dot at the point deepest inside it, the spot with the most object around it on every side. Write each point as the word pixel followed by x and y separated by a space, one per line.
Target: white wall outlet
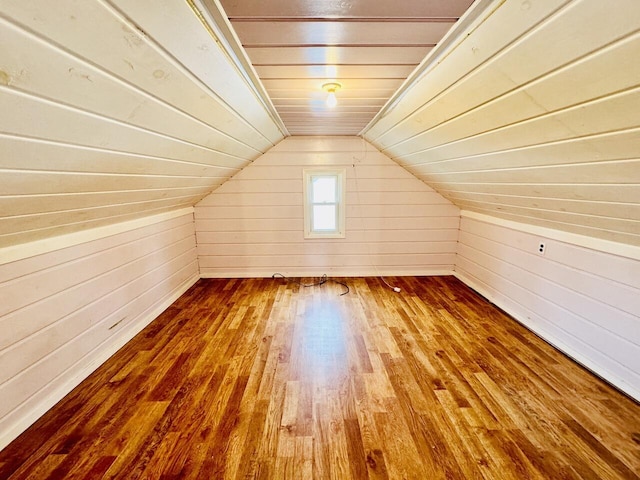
pixel 541 248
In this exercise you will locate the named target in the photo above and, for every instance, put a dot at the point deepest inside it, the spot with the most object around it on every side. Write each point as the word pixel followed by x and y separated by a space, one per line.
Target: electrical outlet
pixel 541 248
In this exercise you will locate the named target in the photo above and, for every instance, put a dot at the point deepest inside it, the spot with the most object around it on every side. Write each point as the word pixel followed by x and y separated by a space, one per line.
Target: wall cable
pixel 360 208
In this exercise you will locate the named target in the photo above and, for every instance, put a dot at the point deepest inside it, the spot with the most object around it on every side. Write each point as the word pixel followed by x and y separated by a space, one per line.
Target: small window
pixel 324 203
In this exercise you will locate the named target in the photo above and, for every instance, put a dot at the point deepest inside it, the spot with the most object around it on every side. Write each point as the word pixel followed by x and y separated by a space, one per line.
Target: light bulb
pixel 331 89
pixel 332 101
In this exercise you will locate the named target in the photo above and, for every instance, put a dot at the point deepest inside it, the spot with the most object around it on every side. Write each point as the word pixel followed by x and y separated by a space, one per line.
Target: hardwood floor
pixel 259 378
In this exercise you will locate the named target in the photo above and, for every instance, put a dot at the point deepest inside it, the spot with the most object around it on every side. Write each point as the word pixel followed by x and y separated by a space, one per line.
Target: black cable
pixel 322 281
pixel 344 285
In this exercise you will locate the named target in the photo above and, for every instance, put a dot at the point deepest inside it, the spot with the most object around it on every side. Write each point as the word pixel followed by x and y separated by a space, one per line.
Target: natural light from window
pixel 324 203
pixel 324 206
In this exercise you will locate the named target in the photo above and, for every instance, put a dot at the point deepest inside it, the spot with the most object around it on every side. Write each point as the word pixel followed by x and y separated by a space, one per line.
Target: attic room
pixel 320 239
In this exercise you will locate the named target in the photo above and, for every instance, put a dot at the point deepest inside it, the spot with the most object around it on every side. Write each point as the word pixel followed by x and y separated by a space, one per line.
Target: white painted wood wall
pixel 113 110
pixel 111 113
pixel 533 116
pixel 584 301
pixel 64 312
pixel 253 224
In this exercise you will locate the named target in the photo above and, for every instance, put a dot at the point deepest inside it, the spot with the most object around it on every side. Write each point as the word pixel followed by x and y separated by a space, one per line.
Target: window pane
pixel 324 189
pixel 324 217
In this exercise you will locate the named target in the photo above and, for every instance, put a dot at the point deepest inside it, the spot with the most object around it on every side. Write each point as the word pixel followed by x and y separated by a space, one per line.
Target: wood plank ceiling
pixel 369 48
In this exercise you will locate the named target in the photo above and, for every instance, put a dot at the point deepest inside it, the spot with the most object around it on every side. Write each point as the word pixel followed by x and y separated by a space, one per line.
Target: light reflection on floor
pixel 323 341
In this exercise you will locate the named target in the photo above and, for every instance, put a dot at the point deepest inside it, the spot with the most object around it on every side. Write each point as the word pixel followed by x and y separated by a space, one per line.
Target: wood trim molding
pixel 212 16
pixel 46 245
pixel 467 23
pixel 599 244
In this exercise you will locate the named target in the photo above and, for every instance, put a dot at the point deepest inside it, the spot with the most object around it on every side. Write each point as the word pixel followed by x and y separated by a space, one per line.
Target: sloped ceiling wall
pixel 113 110
pixel 118 109
pixel 534 116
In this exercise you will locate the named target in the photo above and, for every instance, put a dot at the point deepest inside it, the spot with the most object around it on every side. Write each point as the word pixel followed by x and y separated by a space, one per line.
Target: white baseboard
pixel 319 273
pixel 505 304
pixel 86 367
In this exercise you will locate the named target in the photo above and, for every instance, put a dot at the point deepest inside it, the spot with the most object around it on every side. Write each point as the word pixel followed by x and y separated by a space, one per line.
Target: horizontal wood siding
pixel 116 110
pixel 583 301
pixel 253 224
pixel 66 311
pixel 531 116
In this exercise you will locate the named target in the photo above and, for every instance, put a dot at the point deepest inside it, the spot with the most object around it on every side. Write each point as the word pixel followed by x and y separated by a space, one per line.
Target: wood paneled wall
pixel 253 224
pixel 66 311
pixel 532 117
pixel 583 301
pixel 113 110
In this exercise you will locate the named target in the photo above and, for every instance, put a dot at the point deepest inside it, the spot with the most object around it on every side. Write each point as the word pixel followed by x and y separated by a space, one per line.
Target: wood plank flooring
pixel 264 379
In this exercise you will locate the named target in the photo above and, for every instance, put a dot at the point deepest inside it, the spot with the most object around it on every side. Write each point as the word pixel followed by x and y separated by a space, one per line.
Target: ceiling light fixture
pixel 331 89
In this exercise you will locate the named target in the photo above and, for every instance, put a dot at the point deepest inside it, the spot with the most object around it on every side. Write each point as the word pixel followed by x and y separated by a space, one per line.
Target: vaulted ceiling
pixel 526 110
pixel 368 48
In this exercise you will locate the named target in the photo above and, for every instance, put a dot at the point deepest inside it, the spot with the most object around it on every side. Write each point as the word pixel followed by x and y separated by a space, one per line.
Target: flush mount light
pixel 331 89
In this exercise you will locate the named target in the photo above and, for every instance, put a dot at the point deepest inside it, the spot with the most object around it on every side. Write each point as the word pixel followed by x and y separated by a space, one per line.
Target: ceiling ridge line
pixel 345 19
pixel 215 22
pixel 469 21
pixel 334 64
pixel 336 45
pixel 326 76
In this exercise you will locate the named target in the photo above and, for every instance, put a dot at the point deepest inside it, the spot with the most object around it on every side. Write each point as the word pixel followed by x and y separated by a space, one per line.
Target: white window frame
pixel 309 174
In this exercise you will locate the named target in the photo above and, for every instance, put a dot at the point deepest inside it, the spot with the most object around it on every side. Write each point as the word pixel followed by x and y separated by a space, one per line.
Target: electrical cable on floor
pixel 395 289
pixel 343 284
pixel 324 279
